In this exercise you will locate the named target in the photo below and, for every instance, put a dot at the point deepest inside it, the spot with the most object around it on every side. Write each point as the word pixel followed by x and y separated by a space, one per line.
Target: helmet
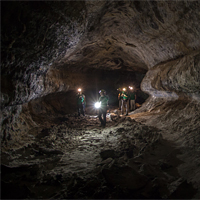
pixel 102 90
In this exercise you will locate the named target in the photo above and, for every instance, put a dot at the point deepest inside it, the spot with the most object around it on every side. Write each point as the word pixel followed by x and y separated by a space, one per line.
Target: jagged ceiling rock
pixel 138 35
pixel 129 35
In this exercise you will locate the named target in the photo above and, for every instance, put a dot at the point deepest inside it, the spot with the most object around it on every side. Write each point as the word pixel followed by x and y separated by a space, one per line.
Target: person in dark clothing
pixel 125 101
pixel 120 98
pixel 103 108
pixel 81 102
pixel 132 96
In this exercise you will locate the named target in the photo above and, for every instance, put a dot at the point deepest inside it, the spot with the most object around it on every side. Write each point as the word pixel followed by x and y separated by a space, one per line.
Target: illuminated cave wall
pixel 47 46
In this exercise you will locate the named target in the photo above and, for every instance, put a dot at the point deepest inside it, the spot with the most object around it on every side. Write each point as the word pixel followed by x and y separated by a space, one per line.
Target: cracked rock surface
pixel 49 49
pixel 81 160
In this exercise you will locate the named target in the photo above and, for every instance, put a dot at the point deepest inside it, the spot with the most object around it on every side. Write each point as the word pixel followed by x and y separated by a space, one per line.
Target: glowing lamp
pixel 124 89
pixel 79 89
pixel 130 88
pixel 97 105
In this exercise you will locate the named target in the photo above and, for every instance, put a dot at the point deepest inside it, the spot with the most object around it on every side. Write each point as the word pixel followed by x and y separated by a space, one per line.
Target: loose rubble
pixel 79 159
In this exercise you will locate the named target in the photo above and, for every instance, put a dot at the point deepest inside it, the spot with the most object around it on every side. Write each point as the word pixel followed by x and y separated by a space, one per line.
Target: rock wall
pixel 174 79
pixel 129 35
pixel 35 35
pixel 48 48
pixel 174 102
pixel 139 34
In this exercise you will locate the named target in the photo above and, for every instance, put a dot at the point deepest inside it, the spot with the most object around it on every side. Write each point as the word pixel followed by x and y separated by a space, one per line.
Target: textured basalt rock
pixel 34 35
pixel 48 49
pixel 107 35
pixel 175 79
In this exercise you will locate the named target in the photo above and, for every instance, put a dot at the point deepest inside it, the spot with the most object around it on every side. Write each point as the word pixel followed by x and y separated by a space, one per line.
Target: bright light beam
pixel 97 104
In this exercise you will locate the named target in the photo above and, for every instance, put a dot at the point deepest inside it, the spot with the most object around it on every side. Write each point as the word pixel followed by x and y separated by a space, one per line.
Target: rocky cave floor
pixel 76 158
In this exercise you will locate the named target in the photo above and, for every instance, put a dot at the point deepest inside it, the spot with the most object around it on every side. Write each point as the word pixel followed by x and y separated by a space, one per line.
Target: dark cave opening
pixel 110 81
pixel 62 103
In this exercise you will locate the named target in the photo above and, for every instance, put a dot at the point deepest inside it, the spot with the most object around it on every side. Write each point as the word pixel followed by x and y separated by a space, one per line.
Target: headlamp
pixel 97 104
pixel 101 91
pixel 79 89
pixel 130 87
pixel 124 89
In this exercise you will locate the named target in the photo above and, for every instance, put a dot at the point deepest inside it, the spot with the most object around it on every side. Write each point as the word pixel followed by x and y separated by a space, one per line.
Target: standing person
pixel 120 98
pixel 103 99
pixel 81 102
pixel 132 98
pixel 84 103
pixel 125 101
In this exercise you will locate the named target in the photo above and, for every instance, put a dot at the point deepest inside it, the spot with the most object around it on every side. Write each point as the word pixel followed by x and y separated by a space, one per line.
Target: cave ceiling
pixel 136 35
pixel 130 35
pixel 45 44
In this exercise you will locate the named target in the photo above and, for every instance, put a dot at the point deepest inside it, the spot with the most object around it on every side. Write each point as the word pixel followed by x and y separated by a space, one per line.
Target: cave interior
pixel 49 49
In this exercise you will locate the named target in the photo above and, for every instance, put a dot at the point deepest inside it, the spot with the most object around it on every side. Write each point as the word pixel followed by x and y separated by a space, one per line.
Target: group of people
pixel 103 100
pixel 126 99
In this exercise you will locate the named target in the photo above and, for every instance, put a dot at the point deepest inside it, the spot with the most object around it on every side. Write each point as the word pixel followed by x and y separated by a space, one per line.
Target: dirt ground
pixel 76 158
